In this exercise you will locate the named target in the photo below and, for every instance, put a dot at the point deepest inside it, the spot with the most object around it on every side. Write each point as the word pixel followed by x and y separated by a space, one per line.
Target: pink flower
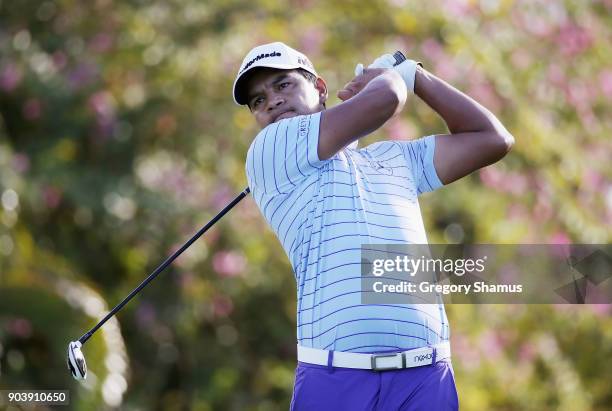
pixel 491 177
pixel 564 308
pixel 543 209
pixel 20 327
pixel 446 69
pixel 509 274
pixel 573 39
pixel 527 352
pixel 602 310
pixel 515 183
pixel 559 244
pixel 465 352
pixel 101 43
pixel 222 306
pixel 556 76
pixel 81 76
pixel 185 279
pixel 484 93
pixel 517 212
pixel 52 196
pixel 221 197
pixel 578 95
pixel 588 119
pixel 531 22
pixel 521 59
pixel 431 49
pixel 229 263
pixel 457 8
pixel 165 124
pixel 21 162
pixel 399 129
pixel 10 77
pixel 102 104
pixel 605 81
pixel 311 40
pixel 59 59
pixel 559 238
pixel 490 344
pixel 593 180
pixel 212 236
pixel 145 314
pixel 607 194
pixel 32 109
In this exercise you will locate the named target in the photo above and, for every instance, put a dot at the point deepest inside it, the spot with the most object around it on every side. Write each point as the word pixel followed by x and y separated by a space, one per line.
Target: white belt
pixel 377 362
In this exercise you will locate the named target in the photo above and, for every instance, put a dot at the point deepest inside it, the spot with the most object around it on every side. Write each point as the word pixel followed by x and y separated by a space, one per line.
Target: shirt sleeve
pixel 283 154
pixel 420 157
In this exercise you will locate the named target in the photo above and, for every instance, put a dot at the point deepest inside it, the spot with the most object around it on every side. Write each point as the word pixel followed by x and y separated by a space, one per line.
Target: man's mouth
pixel 285 114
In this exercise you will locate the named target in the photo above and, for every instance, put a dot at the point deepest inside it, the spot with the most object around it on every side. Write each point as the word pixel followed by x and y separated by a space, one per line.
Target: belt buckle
pixel 374 357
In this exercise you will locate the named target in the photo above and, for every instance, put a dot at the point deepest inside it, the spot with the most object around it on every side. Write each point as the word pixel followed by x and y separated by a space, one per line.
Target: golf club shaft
pixel 165 264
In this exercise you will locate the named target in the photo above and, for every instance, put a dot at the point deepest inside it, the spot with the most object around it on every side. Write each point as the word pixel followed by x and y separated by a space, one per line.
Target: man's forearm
pixel 460 112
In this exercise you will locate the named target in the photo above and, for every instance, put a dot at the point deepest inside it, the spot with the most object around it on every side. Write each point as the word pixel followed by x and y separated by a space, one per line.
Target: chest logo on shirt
pixel 377 165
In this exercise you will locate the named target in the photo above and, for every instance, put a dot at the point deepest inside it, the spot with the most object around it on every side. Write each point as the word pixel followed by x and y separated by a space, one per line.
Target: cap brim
pixel 240 96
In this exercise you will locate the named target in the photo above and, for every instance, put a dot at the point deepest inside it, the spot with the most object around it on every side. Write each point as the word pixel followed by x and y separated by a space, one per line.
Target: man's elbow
pixel 506 142
pixel 391 95
pixel 390 103
pixel 399 94
pixel 500 142
pixel 498 146
pixel 387 105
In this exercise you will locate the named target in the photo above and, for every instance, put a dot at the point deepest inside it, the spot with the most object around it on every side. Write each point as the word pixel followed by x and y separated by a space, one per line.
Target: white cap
pixel 274 55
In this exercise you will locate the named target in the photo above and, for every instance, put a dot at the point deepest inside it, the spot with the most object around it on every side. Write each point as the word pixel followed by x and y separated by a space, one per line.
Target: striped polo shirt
pixel 322 211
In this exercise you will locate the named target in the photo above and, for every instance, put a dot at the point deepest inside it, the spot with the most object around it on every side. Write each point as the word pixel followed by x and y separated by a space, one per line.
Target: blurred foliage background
pixel 119 139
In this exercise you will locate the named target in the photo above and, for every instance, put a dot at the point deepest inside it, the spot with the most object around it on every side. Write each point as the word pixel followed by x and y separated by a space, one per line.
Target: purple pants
pixel 425 388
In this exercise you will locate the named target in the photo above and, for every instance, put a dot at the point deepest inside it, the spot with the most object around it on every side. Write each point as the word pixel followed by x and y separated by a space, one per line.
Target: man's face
pixel 277 94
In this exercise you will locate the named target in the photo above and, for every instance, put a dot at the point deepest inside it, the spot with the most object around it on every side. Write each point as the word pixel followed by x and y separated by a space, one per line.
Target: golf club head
pixel 76 361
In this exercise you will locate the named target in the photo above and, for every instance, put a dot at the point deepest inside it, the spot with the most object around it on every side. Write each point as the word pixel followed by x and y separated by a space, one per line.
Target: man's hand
pixel 359 82
pixel 407 68
pixel 384 61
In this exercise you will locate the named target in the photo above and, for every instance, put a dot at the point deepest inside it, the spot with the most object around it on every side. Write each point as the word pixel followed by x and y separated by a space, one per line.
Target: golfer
pixel 324 197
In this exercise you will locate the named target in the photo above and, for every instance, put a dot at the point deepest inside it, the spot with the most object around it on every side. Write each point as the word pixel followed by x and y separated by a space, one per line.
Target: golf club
pixel 399 57
pixel 76 359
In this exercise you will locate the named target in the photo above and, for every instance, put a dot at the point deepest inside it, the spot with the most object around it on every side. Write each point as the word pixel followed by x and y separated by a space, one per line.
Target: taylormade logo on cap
pixel 261 56
pixel 273 55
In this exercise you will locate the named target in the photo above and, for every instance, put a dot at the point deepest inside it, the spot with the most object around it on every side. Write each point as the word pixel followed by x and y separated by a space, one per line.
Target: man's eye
pixel 283 85
pixel 257 101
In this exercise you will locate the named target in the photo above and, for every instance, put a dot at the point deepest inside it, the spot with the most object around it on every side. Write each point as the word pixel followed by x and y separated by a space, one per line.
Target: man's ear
pixel 321 87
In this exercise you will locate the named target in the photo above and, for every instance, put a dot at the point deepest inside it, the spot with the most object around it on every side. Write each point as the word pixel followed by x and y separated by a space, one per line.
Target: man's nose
pixel 275 102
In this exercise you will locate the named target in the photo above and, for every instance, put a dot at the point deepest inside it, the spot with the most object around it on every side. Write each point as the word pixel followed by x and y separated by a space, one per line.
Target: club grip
pixel 399 57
